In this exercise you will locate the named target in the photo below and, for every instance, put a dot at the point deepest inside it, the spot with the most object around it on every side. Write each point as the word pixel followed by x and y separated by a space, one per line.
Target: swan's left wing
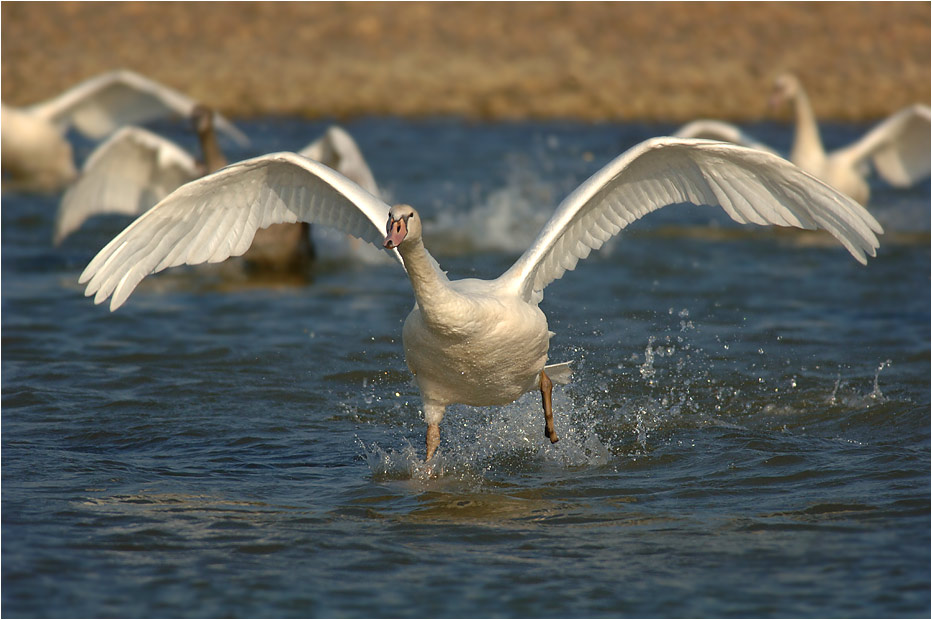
pixel 899 147
pixel 99 106
pixel 750 185
pixel 337 149
pixel 217 216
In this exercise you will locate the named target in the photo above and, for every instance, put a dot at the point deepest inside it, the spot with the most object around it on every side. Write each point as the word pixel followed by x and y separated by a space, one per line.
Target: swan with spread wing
pixel 471 341
pixel 134 169
pixel 898 147
pixel 35 149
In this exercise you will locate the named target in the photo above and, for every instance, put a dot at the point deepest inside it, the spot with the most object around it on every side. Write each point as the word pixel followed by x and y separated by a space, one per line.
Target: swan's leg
pixel 546 390
pixel 433 439
pixel 432 415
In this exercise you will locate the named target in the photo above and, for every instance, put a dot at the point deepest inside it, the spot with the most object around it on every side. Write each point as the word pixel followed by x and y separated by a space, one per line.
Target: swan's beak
pixel 396 229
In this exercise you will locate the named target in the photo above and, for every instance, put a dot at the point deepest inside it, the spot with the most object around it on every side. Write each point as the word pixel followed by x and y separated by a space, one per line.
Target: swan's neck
pixel 213 157
pixel 807 152
pixel 430 284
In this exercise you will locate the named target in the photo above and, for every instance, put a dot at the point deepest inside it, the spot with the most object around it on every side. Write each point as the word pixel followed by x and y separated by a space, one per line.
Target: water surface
pixel 747 433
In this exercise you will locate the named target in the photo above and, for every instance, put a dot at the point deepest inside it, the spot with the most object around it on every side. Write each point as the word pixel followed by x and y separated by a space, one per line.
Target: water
pixel 747 433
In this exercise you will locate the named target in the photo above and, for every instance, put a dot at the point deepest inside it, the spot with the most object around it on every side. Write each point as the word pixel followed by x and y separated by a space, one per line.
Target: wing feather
pixel 751 186
pixel 337 149
pixel 899 147
pixel 127 174
pixel 216 217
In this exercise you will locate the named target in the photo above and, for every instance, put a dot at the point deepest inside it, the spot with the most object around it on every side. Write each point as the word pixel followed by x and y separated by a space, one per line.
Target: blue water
pixel 747 433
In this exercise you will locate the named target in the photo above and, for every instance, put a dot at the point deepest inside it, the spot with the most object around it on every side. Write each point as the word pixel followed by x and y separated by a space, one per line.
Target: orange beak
pixel 397 230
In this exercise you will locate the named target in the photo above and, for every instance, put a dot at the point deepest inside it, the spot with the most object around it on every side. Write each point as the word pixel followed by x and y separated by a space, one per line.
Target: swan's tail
pixel 560 373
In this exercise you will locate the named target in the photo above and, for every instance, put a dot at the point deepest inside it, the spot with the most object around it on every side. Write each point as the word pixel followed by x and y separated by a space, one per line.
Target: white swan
pixel 35 149
pixel 476 342
pixel 127 174
pixel 898 147
pixel 135 168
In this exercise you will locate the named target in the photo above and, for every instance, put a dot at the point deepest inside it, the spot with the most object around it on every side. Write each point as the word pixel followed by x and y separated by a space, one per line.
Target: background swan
pixel 135 168
pixel 35 149
pixel 898 148
pixel 471 341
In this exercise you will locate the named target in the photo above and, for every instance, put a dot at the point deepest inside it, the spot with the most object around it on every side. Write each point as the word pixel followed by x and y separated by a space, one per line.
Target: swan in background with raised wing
pixel 898 147
pixel 471 341
pixel 35 148
pixel 135 168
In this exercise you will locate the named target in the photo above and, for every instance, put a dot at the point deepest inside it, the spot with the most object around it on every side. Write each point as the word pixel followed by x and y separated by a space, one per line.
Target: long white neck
pixel 431 287
pixel 807 152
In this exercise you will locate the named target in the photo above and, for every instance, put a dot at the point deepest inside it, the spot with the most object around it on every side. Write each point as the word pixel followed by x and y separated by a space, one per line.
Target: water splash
pixel 482 444
pixel 401 464
pixel 647 368
pixel 833 398
pixel 505 220
pixel 859 399
pixel 876 394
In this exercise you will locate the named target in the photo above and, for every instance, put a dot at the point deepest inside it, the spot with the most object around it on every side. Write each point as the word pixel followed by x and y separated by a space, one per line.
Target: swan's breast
pixel 478 347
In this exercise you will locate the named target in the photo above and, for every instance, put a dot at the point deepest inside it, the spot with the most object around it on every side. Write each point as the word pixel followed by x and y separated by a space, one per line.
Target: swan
pixel 898 147
pixel 134 169
pixel 35 149
pixel 471 341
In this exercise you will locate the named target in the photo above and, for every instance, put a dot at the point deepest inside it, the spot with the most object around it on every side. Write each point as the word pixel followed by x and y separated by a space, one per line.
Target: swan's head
pixel 403 225
pixel 202 118
pixel 785 88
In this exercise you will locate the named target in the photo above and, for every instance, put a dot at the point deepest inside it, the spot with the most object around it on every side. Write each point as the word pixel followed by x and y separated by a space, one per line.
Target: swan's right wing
pixel 724 132
pixel 217 216
pixel 899 147
pixel 337 149
pixel 127 174
pixel 99 106
pixel 750 185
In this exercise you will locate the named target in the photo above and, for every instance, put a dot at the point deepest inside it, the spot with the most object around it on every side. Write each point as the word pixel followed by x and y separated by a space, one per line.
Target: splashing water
pixel 482 443
pixel 507 219
pixel 858 398
pixel 876 394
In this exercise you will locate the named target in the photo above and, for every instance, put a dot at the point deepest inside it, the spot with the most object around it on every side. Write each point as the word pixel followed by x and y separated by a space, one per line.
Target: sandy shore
pixel 597 61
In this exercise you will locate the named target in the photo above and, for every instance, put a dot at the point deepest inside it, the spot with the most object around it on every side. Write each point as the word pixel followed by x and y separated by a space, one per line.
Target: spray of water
pixel 505 220
pixel 850 397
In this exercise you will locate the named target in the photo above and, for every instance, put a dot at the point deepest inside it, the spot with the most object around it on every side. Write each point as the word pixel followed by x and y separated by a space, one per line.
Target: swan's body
pixel 898 148
pixel 478 342
pixel 35 150
pixel 134 169
pixel 471 328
